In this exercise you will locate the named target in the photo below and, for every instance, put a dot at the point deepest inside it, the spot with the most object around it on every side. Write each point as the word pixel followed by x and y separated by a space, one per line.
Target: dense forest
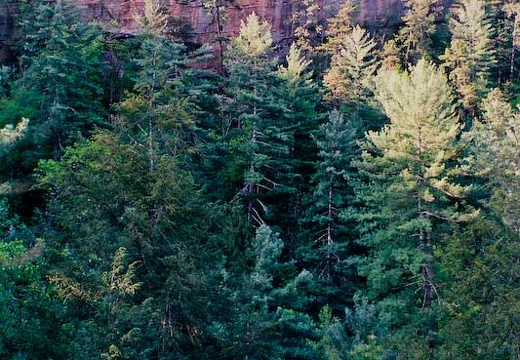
pixel 357 197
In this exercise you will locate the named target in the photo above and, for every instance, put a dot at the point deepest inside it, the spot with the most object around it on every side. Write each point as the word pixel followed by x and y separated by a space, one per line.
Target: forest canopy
pixel 356 198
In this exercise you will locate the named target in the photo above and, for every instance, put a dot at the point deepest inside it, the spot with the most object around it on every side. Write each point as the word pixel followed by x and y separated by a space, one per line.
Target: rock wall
pixel 373 13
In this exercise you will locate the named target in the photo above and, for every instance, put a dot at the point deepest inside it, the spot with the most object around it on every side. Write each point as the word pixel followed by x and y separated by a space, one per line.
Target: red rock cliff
pixel 277 12
pixel 372 13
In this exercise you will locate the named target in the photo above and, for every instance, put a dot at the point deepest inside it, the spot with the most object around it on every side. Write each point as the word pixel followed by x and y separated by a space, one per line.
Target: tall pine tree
pixel 412 195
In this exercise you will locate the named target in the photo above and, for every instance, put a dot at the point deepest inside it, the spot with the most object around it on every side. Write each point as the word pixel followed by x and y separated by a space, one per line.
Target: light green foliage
pixel 308 29
pixel 496 148
pixel 154 19
pixel 255 38
pixel 412 194
pixel 296 65
pixel 10 134
pixel 267 247
pixel 340 26
pixel 354 64
pixel 471 55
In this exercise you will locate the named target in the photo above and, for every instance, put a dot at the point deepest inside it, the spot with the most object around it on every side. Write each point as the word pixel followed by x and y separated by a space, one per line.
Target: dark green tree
pixel 60 89
pixel 256 129
pixel 329 237
pixel 418 35
pixel 32 323
pixel 130 264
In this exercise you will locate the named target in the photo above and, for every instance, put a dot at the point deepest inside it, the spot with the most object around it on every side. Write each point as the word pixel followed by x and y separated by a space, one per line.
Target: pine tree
pixel 131 256
pixel 412 193
pixel 216 9
pixel 496 152
pixel 340 26
pixel 258 135
pixel 154 19
pixel 301 98
pixel 332 194
pixel 471 56
pixel 512 11
pixel 354 64
pixel 308 28
pixel 156 114
pixel 61 87
pixel 420 26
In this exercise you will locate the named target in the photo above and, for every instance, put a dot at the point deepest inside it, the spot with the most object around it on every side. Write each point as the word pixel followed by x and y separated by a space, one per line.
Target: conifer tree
pixel 412 191
pixel 354 64
pixel 496 152
pixel 419 29
pixel 512 11
pixel 132 257
pixel 257 132
pixel 332 194
pixel 301 98
pixel 61 87
pixel 470 56
pixel 308 29
pixel 10 134
pixel 216 9
pixel 481 262
pixel 340 26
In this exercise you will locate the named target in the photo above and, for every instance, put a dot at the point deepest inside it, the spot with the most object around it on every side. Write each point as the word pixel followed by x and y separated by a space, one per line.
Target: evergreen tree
pixel 135 253
pixel 340 26
pixel 481 262
pixel 9 134
pixel 354 64
pixel 470 56
pixel 301 98
pixel 350 78
pixel 412 194
pixel 512 11
pixel 418 33
pixel 497 158
pixel 308 28
pixel 264 317
pixel 258 136
pixel 130 264
pixel 332 193
pixel 480 266
pixel 60 90
pixel 32 325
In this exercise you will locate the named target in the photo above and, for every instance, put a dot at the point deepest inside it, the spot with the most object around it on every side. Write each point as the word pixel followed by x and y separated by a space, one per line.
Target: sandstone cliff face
pixel 373 13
